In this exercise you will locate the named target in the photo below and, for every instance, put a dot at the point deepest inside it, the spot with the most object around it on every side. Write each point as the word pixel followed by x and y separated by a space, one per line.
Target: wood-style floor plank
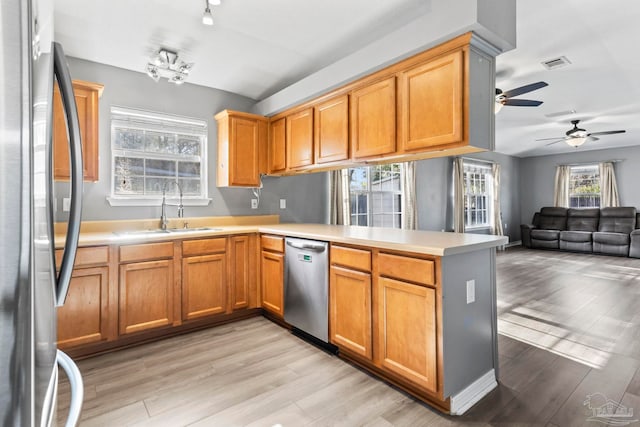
pixel 569 327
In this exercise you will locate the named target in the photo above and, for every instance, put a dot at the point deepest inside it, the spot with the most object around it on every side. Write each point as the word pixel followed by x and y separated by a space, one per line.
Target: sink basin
pixel 194 229
pixel 140 232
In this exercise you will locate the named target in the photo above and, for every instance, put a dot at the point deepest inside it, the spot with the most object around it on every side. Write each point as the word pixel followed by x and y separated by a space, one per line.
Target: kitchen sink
pixel 167 231
pixel 194 229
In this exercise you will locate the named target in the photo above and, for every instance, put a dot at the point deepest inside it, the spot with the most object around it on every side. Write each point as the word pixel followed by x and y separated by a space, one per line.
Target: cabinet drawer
pixel 350 257
pixel 147 251
pixel 405 268
pixel 90 256
pixel 272 243
pixel 203 246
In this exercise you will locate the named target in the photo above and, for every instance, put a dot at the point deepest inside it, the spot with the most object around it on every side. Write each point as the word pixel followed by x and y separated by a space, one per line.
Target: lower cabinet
pixel 146 295
pixel 83 319
pixel 350 310
pixel 407 337
pixel 272 283
pixel 243 272
pixel 204 286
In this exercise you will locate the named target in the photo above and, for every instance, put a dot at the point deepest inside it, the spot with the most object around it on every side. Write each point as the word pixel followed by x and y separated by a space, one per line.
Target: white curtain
pixel 497 219
pixel 458 195
pixel 340 210
pixel 608 187
pixel 409 212
pixel 561 190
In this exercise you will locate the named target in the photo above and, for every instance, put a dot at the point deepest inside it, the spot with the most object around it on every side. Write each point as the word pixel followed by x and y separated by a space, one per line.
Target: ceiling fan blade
pixel 521 103
pixel 593 138
pixel 524 89
pixel 555 142
pixel 608 132
pixel 551 139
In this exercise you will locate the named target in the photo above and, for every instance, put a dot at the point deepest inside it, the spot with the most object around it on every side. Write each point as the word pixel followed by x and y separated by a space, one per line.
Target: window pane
pixel 584 186
pixel 188 145
pixel 160 167
pixel 376 195
pixel 157 142
pixel 128 185
pixel 155 185
pixel 189 169
pixel 190 187
pixel 129 139
pixel 127 166
pixel 358 179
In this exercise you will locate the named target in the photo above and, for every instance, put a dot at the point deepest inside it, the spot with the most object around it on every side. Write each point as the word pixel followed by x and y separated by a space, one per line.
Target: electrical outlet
pixel 66 204
pixel 283 203
pixel 471 291
pixel 504 225
pixel 254 203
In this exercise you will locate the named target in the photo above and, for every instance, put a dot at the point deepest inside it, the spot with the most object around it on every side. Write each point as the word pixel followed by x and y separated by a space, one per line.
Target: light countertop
pixel 418 241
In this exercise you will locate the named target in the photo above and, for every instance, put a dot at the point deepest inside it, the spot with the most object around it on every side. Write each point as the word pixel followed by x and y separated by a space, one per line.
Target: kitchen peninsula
pixel 416 308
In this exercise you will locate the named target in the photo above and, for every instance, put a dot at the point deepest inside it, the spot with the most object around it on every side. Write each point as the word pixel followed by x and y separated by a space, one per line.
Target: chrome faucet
pixel 163 213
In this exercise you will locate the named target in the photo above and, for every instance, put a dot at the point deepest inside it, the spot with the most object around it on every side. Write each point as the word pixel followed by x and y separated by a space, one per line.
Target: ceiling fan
pixel 504 98
pixel 576 136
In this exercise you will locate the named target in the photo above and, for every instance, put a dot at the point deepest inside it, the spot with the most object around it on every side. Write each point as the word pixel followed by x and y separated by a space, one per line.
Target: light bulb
pixel 576 141
pixel 214 2
pixel 207 17
pixel 497 107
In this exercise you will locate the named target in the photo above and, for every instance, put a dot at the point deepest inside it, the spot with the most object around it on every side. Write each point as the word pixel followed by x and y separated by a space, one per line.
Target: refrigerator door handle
pixel 77 388
pixel 63 76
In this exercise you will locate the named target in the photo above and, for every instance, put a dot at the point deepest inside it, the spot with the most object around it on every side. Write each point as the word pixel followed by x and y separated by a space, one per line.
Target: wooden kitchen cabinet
pixel 87 96
pixel 299 138
pixel 373 119
pixel 272 274
pixel 242 140
pixel 243 272
pixel 146 287
pixel 84 318
pixel 277 146
pixel 406 337
pixel 204 278
pixel 432 99
pixel 331 130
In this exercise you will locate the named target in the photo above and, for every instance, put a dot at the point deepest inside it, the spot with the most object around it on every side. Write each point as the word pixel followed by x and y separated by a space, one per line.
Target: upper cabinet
pixel 277 146
pixel 373 119
pixel 241 149
pixel 331 130
pixel 299 146
pixel 87 95
pixel 431 98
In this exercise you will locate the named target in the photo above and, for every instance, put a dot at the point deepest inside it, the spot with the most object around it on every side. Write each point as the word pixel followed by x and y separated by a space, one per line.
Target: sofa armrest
pixel 634 245
pixel 525 232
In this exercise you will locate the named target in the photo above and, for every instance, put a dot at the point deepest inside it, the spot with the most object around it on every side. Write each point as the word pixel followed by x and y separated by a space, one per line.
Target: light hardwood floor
pixel 569 327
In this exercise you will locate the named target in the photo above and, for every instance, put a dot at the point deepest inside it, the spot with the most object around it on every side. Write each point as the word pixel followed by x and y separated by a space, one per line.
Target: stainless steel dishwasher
pixel 306 286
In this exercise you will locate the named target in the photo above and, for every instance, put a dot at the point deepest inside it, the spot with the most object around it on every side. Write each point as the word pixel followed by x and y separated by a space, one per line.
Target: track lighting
pixel 207 17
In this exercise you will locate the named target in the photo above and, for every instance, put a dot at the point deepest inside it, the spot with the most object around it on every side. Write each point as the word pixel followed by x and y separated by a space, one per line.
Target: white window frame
pixel 574 170
pixel 133 118
pixel 370 193
pixel 471 169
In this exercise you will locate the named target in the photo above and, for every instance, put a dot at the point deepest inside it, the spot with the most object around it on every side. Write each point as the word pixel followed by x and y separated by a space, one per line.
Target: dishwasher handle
pixel 310 246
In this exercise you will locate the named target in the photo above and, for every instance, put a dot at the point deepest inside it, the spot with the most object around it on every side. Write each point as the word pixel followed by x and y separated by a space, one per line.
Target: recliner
pixel 546 234
pixel 581 224
pixel 613 235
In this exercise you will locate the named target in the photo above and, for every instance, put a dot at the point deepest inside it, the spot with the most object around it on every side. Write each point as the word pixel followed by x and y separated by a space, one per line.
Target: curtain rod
pixel 471 159
pixel 591 163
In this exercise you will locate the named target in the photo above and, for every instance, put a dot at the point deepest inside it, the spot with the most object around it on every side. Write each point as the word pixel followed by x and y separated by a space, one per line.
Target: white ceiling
pixel 258 47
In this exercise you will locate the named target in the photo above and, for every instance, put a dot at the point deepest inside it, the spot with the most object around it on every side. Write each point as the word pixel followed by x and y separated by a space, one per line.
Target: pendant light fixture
pixel 207 17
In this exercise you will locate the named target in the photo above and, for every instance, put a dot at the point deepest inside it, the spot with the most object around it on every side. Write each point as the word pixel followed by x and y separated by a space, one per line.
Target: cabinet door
pixel 373 119
pixel 350 310
pixel 432 103
pixel 244 152
pixel 146 295
pixel 204 286
pixel 331 136
pixel 83 318
pixel 86 95
pixel 277 144
pixel 406 331
pixel 300 139
pixel 272 282
pixel 242 272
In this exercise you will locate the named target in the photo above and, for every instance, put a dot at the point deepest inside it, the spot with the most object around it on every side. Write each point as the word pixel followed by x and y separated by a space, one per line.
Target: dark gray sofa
pixel 610 231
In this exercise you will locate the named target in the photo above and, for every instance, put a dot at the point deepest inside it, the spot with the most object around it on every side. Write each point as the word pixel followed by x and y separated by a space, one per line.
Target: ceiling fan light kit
pixel 576 136
pixel 167 64
pixel 207 16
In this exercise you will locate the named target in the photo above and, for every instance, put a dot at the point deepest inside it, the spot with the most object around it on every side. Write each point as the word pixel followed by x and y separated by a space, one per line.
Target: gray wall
pixel 434 192
pixel 538 174
pixel 306 195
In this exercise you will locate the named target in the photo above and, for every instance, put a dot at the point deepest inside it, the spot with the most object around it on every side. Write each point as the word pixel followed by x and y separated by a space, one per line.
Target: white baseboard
pixel 516 243
pixel 468 397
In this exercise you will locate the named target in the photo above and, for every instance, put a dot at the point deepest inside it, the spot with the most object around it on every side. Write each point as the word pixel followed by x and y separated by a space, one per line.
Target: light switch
pixel 254 203
pixel 283 203
pixel 66 204
pixel 471 291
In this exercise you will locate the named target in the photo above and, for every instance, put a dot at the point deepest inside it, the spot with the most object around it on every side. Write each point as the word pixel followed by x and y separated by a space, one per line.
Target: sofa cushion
pixel 617 220
pixel 583 219
pixel 545 234
pixel 552 218
pixel 575 236
pixel 611 238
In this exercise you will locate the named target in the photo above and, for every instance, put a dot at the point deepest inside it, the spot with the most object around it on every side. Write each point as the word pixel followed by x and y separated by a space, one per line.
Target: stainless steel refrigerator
pixel 30 286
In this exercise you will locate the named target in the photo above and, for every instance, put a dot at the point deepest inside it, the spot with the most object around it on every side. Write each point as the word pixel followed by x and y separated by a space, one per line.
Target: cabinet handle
pixel 61 71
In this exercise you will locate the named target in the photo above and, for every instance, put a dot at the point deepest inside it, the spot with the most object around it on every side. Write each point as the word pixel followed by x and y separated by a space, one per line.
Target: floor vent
pixel 554 63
